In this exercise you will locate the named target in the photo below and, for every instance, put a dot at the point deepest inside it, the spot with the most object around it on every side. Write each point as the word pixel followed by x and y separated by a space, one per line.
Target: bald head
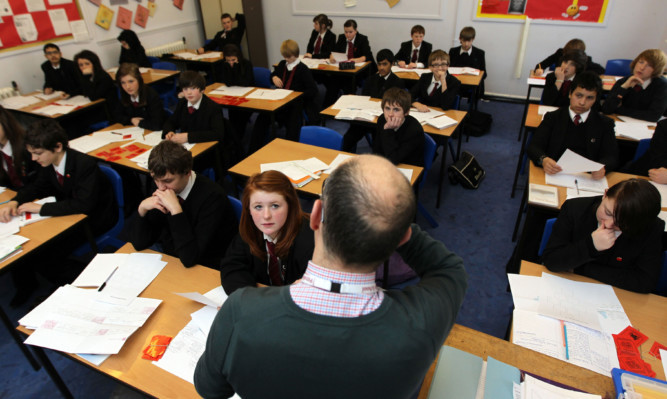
pixel 367 208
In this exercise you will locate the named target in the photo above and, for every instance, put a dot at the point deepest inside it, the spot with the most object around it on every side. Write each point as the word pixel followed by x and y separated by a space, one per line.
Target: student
pixel 17 167
pixel 291 74
pixel 466 55
pixel 374 86
pixel 414 53
pixel 131 50
pixel 644 94
pixel 554 59
pixel 654 161
pixel 438 88
pixel 140 105
pixel 227 34
pixel 557 85
pixel 272 222
pixel 237 71
pixel 188 215
pixel 577 128
pixel 94 80
pixel 399 137
pixel 197 117
pixel 615 238
pixel 322 40
pixel 60 74
pixel 334 332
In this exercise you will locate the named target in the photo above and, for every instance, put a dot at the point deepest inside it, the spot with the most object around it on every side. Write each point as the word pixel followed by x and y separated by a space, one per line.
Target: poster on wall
pixel 33 22
pixel 588 11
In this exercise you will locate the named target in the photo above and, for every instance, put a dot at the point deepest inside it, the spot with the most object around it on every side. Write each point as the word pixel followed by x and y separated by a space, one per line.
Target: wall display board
pixel 587 11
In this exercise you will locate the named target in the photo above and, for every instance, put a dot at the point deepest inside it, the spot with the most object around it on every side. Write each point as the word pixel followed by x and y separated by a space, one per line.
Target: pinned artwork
pixel 179 4
pixel 104 17
pixel 141 16
pixel 152 6
pixel 124 19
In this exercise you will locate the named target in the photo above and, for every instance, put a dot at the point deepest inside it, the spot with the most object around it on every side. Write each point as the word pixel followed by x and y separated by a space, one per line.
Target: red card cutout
pixel 103 154
pixel 637 337
pixel 178 4
pixel 132 148
pixel 624 344
pixel 141 16
pixel 124 18
pixel 632 364
pixel 655 349
pixel 115 150
pixel 113 158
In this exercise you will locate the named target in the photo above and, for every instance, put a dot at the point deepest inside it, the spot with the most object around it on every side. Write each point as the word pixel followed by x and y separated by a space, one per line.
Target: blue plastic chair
pixel 642 147
pixel 548 227
pixel 618 67
pixel 321 137
pixel 98 126
pixel 662 281
pixel 167 90
pixel 238 207
pixel 429 154
pixel 110 236
pixel 153 60
pixel 262 77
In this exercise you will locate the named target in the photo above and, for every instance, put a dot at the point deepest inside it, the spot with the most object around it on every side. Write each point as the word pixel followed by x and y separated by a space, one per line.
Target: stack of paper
pixel 543 109
pixel 463 71
pixel 267 94
pixel 441 122
pixel 234 91
pixel 300 172
pixel 637 131
pixel 11 245
pixel 544 195
pixel 568 320
pixel 77 101
pixel 313 63
pixel 55 109
pixel 356 114
pixel 55 94
pixel 423 117
pixel 532 388
pixel 18 102
pixel 350 101
pixel 418 71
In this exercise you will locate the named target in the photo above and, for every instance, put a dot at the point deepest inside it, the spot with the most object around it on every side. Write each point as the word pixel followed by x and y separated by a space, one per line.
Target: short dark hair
pixel 169 157
pixel 575 44
pixel 322 19
pixel 587 80
pixel 637 204
pixel 360 227
pixel 395 95
pixel 126 69
pixel 94 59
pixel 578 58
pixel 385 54
pixel 191 79
pixel 467 33
pixel 232 50
pixel 226 15
pixel 50 45
pixel 350 23
pixel 46 134
pixel 417 29
pixel 438 55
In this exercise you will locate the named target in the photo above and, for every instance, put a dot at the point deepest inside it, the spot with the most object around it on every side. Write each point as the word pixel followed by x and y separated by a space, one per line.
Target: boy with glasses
pixel 59 73
pixel 438 88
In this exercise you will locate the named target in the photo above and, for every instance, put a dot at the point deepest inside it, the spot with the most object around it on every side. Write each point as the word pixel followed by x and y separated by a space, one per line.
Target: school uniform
pixel 16 171
pixel 65 78
pixel 647 103
pixel 204 122
pixel 406 53
pixel 656 155
pixel 240 74
pixel 149 108
pixel 198 235
pixel 473 58
pixel 359 47
pixel 632 263
pixel 327 44
pixel 593 138
pixel 240 268
pixel 403 145
pixel 556 97
pixel 555 59
pixel 297 77
pixel 100 87
pixel 423 92
pixel 223 37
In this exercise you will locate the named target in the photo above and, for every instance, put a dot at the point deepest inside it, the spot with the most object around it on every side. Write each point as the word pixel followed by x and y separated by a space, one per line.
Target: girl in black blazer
pixel 131 49
pixel 275 241
pixel 327 40
pixel 140 105
pixel 17 165
pixel 95 81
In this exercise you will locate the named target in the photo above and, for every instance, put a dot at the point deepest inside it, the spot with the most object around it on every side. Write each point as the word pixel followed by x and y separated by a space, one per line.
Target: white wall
pixel 631 27
pixel 169 24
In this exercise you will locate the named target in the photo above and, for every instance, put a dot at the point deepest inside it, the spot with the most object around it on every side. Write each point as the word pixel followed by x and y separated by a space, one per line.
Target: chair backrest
pixel 238 207
pixel 548 226
pixel 618 67
pixel 170 66
pixel 662 282
pixel 262 77
pixel 642 147
pixel 321 137
pixel 117 185
pixel 429 154
pixel 152 60
pixel 457 103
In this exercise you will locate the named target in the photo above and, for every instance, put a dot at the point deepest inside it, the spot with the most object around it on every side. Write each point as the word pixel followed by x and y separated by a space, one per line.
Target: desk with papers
pixel 190 60
pixel 51 106
pixel 150 75
pixel 323 67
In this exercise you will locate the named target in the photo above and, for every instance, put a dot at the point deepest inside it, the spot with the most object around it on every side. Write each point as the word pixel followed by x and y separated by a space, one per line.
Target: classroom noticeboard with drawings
pixel 33 22
pixel 590 11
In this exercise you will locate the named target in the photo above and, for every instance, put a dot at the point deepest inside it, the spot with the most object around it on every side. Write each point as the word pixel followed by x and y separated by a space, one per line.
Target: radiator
pixel 7 92
pixel 166 48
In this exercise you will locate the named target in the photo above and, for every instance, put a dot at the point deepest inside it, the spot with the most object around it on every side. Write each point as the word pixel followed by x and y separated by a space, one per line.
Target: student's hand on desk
pixel 8 211
pixel 658 175
pixel 150 203
pixel 136 120
pixel 332 60
pixel 550 166
pixel 538 72
pixel 603 238
pixel 598 174
pixel 169 200
pixel 277 82
pixel 29 207
pixel 412 65
pixel 180 138
pixel 402 64
pixel 307 55
pixel 48 90
pixel 420 107
pixel 632 82
pixel 394 122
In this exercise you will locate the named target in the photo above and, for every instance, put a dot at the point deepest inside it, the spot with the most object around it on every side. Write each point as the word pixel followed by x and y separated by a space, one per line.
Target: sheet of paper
pixel 422 117
pixel 75 100
pixel 350 101
pixel 571 162
pixel 406 172
pixel 441 122
pixel 355 114
pixel 30 218
pixel 541 194
pixel 633 120
pixel 583 180
pixel 204 317
pixel 536 81
pixel 35 5
pixel 97 360
pixel 662 188
pixel 59 21
pixel 11 227
pixel 186 54
pixel 234 91
pixel 54 109
pixel 5 9
pixel 537 389
pixel 133 277
pixel 543 109
pixel 25 26
pixel 463 71
pixel 337 161
pixel 55 94
pixel 573 193
pixel 86 143
pixel 539 333
pixel 591 349
pixel 338 57
pixel 11 245
pixel 637 131
pixel 79 31
pixel 267 94
pixel 296 170
pixel 663 357
pixel 313 63
pixel 197 297
pixel 525 291
pixel 183 352
pixel 18 102
pixel 99 269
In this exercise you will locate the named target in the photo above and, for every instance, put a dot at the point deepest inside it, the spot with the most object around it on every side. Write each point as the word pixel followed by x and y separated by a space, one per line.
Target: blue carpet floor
pixel 475 224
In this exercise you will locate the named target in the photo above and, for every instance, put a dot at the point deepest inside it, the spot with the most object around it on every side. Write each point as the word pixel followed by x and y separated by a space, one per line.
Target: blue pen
pixel 4 202
pixel 567 350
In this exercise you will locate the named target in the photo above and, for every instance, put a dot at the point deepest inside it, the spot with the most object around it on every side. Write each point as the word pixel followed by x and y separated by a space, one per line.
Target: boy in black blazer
pixel 59 73
pixel 188 215
pixel 438 88
pixel 237 71
pixel 557 85
pixel 466 55
pixel 227 34
pixel 554 59
pixel 198 118
pixel 399 137
pixel 576 127
pixel 414 53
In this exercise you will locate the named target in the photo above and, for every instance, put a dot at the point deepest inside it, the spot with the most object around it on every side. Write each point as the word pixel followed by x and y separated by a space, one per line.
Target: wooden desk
pixel 483 345
pixel 647 312
pixel 328 69
pixel 280 150
pixel 466 80
pixel 206 63
pixel 197 150
pixel 439 135
pixel 152 76
pixel 170 317
pixel 31 109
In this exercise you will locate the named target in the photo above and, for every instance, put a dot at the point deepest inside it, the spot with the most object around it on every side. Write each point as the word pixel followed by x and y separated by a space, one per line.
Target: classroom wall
pixel 169 24
pixel 631 27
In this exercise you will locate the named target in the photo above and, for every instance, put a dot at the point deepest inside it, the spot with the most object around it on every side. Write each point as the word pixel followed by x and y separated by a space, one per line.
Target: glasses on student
pixel 52 52
pixel 440 65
